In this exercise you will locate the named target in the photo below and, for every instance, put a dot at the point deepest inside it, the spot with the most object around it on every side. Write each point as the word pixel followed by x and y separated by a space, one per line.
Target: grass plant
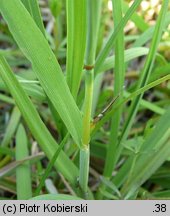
pixel 85 102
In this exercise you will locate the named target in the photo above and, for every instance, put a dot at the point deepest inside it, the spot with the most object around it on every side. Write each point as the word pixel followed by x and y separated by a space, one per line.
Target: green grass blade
pixel 129 55
pixel 33 8
pixel 129 98
pixel 23 172
pixel 7 151
pixel 44 64
pixel 50 165
pixel 163 194
pixel 148 34
pixel 137 19
pixel 119 74
pixel 6 99
pixel 35 124
pixel 146 70
pixel 76 42
pixel 12 126
pixel 148 105
pixel 111 186
pixel 9 169
pixel 8 186
pixel 70 41
pixel 111 40
pixel 33 90
pixel 154 151
pixel 159 72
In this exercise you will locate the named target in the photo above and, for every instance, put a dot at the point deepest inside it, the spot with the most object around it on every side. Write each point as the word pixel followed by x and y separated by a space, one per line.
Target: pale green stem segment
pixel 84 171
pixel 87 107
pixel 94 12
pixel 84 151
pixel 23 172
